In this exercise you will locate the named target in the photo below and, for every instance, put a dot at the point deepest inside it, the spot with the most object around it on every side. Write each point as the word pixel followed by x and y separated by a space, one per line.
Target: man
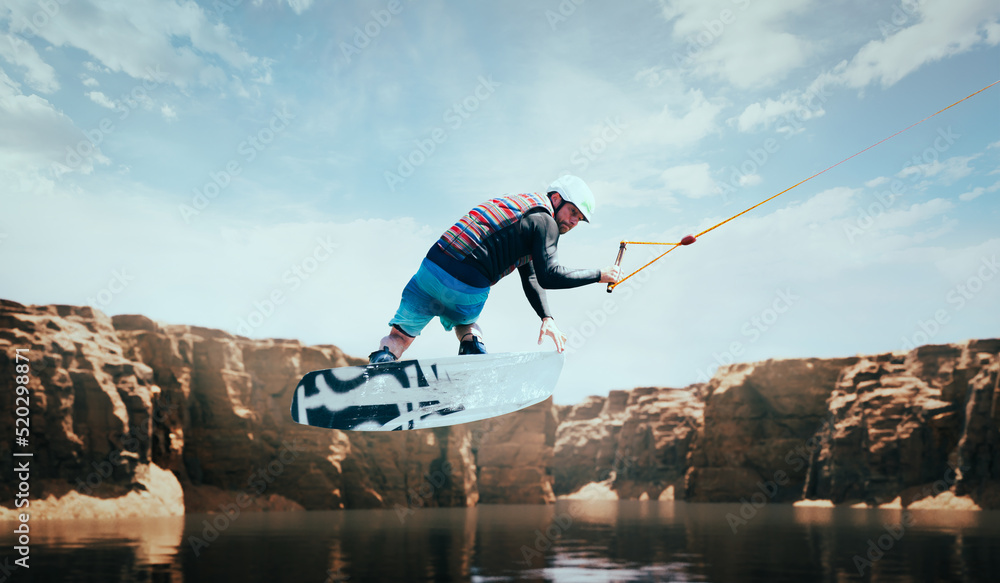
pixel 519 232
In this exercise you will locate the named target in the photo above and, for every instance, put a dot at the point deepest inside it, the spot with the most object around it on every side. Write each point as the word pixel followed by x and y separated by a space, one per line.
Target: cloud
pixel 100 99
pixel 978 191
pixel 658 76
pixel 686 180
pixel 940 29
pixel 905 218
pixel 690 180
pixel 141 37
pixel 238 266
pixel 947 171
pixel 715 36
pixel 168 113
pixel 34 134
pixel 934 30
pixel 679 123
pixel 39 75
pixel 792 108
pixel 299 6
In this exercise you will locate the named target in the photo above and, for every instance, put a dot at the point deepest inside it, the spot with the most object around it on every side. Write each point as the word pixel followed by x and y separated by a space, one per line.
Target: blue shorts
pixel 431 292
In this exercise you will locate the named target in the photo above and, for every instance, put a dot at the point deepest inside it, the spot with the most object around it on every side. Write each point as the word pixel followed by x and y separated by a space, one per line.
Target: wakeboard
pixel 431 392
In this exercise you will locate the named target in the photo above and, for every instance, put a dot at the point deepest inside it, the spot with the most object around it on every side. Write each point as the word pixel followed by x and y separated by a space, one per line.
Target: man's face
pixel 568 217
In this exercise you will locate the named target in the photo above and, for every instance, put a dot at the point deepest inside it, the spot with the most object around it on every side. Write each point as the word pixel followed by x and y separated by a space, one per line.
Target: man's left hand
pixel 549 329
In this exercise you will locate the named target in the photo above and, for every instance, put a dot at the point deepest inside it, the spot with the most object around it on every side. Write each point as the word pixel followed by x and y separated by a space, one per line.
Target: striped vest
pixel 470 231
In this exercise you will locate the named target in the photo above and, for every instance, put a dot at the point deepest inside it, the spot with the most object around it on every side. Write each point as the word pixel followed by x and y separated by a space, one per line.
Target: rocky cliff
pixel 896 428
pixel 637 442
pixel 132 417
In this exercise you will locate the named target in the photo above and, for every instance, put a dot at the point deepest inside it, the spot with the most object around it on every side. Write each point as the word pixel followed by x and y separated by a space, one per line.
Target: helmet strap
pixel 562 202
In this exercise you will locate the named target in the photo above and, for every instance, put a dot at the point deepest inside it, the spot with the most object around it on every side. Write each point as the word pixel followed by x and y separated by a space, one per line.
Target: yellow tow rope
pixel 692 238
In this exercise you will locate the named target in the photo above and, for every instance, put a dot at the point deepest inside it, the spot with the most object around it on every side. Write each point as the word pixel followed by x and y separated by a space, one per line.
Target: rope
pixel 713 227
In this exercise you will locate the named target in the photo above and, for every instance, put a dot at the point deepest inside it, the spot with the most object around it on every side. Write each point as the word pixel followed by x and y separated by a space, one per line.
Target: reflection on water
pixel 570 541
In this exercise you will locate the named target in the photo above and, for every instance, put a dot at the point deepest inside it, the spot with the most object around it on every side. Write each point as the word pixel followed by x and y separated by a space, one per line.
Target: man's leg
pixel 397 341
pixel 470 338
pixel 462 330
pixel 416 308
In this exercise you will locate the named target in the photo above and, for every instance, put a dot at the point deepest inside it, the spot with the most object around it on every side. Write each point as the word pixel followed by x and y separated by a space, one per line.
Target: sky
pixel 278 168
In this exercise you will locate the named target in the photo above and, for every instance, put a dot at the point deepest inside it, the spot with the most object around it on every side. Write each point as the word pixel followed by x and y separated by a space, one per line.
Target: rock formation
pixel 132 417
pixel 758 418
pixel 913 426
pixel 638 441
pixel 895 428
pixel 115 399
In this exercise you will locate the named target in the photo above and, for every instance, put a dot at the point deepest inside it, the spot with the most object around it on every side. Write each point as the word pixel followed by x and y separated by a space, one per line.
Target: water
pixel 570 541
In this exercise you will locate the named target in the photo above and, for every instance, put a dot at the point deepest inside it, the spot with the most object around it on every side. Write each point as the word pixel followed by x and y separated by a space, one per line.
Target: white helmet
pixel 576 191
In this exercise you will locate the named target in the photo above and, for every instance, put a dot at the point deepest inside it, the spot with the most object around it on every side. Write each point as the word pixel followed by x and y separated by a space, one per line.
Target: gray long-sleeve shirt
pixel 535 235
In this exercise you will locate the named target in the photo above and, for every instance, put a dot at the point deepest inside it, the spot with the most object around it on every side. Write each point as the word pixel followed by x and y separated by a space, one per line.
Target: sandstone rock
pixel 653 444
pixel 514 454
pixel 635 440
pixel 126 412
pixel 902 424
pixel 113 397
pixel 86 400
pixel 758 421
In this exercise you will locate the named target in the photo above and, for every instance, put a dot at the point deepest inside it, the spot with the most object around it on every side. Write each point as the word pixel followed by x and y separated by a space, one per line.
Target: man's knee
pixel 399 332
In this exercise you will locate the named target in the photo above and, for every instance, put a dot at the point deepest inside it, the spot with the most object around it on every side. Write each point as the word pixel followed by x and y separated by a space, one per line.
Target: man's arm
pixel 549 274
pixel 536 297
pixel 533 291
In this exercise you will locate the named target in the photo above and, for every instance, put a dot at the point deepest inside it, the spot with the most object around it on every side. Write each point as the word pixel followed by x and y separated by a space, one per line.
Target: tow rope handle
pixel 621 251
pixel 618 262
pixel 692 238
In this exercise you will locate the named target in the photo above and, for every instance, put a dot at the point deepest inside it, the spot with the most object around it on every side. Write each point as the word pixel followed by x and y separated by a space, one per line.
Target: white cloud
pixel 299 6
pixel 89 81
pixel 168 112
pixel 875 182
pixel 39 75
pixel 237 265
pixel 34 134
pixel 938 29
pixel 690 180
pixel 658 76
pixel 790 109
pixel 947 171
pixel 943 28
pixel 139 38
pixel 978 191
pixel 915 214
pixel 715 36
pixel 960 265
pixel 95 68
pixel 101 99
pixel 972 194
pixel 623 194
pixel 678 123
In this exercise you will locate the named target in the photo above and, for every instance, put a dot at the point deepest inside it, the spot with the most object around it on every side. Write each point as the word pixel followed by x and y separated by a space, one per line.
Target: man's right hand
pixel 611 274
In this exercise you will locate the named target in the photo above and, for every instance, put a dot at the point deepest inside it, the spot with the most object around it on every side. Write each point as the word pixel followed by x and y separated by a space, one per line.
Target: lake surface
pixel 588 541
